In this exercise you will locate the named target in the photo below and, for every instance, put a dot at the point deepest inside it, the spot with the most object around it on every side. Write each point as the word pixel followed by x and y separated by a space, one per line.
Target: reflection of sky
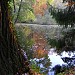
pixel 67 54
pixel 55 59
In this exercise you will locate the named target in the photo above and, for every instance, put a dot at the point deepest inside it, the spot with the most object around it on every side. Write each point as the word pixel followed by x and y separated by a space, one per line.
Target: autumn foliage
pixel 39 45
pixel 70 3
pixel 39 7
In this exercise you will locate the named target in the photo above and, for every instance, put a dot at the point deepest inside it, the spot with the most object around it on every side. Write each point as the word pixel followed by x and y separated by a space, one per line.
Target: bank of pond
pixel 58 64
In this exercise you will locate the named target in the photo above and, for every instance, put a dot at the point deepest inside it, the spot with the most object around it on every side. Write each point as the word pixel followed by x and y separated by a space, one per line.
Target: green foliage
pixel 46 63
pixel 35 67
pixel 26 16
pixel 58 43
pixel 67 42
pixel 69 38
pixel 61 73
pixel 26 7
pixel 10 4
pixel 68 71
pixel 26 11
pixel 24 40
pixel 63 16
pixel 50 1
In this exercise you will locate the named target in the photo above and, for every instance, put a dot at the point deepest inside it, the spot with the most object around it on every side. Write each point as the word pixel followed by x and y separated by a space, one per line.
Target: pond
pixel 51 73
pixel 40 33
pixel 55 60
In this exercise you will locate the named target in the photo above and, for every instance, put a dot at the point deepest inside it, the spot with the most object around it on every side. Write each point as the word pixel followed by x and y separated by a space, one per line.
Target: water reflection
pixel 56 62
pixel 51 73
pixel 55 58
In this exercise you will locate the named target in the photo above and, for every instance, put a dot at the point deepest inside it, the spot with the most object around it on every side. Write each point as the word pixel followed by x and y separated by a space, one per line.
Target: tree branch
pixel 18 12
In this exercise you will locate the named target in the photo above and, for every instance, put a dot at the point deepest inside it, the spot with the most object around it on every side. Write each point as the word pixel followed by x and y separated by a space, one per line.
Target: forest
pixel 37 37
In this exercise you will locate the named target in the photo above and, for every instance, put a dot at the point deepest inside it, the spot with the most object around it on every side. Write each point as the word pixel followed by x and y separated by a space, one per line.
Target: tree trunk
pixel 10 60
pixel 18 11
pixel 14 6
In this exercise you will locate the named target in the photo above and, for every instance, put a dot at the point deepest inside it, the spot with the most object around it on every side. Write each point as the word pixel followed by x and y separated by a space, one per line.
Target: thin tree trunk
pixel 14 6
pixel 18 12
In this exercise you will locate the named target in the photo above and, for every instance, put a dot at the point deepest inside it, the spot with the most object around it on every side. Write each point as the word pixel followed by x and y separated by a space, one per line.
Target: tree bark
pixel 14 6
pixel 10 60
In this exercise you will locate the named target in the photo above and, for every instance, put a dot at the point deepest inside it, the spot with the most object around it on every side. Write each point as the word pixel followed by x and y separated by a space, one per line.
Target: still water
pixel 51 73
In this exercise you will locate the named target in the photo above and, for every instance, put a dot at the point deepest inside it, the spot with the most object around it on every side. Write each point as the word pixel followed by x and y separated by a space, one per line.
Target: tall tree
pixel 65 16
pixel 12 58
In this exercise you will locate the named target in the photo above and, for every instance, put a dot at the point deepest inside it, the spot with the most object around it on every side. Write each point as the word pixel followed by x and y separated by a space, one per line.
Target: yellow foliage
pixel 40 53
pixel 50 1
pixel 27 30
pixel 29 15
pixel 40 6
